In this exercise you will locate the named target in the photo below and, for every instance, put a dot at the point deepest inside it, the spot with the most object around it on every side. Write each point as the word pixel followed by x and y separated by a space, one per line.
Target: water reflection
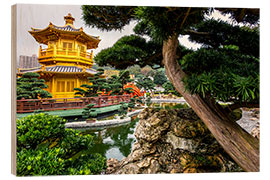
pixel 116 142
pixel 113 142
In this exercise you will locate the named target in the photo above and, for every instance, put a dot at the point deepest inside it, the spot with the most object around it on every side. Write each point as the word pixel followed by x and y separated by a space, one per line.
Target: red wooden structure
pixel 136 90
pixel 31 105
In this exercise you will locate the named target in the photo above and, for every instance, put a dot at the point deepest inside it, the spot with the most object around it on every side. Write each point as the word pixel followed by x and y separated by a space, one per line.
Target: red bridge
pixel 52 104
pixel 136 90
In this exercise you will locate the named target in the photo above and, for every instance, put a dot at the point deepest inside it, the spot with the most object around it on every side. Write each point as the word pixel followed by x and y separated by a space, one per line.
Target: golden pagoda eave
pixel 41 36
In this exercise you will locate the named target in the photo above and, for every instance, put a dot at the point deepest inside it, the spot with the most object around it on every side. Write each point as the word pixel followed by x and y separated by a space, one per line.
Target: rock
pixel 181 143
pixel 112 165
pixel 255 113
pixel 173 141
pixel 129 169
pixel 256 131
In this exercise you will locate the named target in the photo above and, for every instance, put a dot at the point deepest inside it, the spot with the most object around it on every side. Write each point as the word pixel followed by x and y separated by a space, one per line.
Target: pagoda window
pixel 70 86
pixel 67 45
pixel 60 86
pixel 82 48
pixel 65 86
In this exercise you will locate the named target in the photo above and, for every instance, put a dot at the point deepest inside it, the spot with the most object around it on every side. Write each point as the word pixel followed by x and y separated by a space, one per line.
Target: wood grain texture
pixel 13 86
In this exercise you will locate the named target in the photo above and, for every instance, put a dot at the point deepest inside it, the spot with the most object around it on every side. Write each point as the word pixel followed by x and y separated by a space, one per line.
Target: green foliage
pixel 135 99
pixel 40 162
pixel 225 68
pixel 89 111
pixel 130 50
pixel 220 34
pixel 226 74
pixel 169 88
pixel 148 100
pixel 145 82
pixel 162 22
pixel 135 69
pixel 35 129
pixel 114 84
pixel 160 78
pixel 45 147
pixel 123 110
pixel 124 77
pixel 101 16
pixel 29 86
pixel 96 83
pixel 243 15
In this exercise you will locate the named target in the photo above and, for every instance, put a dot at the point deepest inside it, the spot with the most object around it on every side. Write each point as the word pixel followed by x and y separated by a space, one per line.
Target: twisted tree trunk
pixel 239 144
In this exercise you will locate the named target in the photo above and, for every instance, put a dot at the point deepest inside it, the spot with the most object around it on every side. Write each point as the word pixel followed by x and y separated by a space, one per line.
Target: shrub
pixel 45 147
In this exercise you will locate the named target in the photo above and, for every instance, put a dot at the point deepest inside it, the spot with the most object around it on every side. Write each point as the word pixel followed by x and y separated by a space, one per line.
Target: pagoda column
pixel 77 82
pixel 53 85
pixel 39 52
pixel 54 49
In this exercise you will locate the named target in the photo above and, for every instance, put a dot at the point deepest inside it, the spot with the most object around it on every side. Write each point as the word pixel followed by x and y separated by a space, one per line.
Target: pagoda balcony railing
pixel 52 104
pixel 65 52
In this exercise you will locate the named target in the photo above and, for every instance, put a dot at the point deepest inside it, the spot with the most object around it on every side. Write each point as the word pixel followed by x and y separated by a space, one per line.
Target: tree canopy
pixel 160 77
pixel 114 84
pixel 225 68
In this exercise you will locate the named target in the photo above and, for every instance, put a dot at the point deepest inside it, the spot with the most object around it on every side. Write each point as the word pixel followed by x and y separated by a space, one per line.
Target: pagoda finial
pixel 69 19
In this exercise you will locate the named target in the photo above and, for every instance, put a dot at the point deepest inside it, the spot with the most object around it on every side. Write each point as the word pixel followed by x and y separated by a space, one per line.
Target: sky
pixel 39 16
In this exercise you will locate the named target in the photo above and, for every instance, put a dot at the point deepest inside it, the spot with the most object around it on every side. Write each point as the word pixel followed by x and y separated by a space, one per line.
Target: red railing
pixel 52 104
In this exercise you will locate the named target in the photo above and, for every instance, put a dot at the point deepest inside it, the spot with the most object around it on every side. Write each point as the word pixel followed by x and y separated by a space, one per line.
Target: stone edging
pixel 180 100
pixel 118 121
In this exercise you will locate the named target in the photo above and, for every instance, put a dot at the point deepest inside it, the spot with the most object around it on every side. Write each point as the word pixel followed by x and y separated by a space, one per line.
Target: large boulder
pixel 173 141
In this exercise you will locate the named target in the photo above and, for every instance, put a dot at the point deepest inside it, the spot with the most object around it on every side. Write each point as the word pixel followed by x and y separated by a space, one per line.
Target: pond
pixel 117 142
pixel 113 142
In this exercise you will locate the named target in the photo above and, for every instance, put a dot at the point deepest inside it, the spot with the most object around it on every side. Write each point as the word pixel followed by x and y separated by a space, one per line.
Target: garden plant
pixel 45 147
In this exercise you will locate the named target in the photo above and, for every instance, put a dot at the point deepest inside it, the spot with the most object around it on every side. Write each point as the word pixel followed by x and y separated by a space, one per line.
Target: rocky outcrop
pixel 256 117
pixel 172 141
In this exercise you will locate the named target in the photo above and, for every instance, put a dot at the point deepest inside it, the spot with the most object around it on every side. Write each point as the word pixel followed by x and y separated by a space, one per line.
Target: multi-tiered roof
pixel 53 32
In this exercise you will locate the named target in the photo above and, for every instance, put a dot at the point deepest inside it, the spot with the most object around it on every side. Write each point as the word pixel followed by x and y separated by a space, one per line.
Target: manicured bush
pixel 45 147
pixel 40 128
pixel 30 86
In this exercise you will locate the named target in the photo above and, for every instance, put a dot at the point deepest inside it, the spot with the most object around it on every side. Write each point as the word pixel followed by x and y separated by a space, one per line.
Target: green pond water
pixel 117 142
pixel 113 142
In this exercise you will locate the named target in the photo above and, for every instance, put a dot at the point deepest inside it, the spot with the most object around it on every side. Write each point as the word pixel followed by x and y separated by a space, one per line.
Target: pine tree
pixel 225 68
pixel 30 86
pixel 96 84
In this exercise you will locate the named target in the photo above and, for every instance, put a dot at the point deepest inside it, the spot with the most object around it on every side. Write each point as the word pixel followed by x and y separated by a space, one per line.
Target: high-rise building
pixel 28 61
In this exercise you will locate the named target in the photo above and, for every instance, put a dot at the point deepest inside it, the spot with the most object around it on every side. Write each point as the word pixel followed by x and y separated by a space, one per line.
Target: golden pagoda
pixel 65 62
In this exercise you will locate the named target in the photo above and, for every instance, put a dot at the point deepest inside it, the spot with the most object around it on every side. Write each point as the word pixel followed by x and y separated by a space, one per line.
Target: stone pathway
pixel 248 122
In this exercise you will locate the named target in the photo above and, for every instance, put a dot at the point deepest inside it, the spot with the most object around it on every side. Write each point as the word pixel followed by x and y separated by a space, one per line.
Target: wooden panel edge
pixel 13 86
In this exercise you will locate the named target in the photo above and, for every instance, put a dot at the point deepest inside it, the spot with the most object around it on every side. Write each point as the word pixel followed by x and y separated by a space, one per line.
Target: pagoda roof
pixel 59 69
pixel 52 32
pixel 67 27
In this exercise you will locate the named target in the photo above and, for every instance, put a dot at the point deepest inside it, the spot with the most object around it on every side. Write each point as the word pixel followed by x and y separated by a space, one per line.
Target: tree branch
pixel 185 18
pixel 193 32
